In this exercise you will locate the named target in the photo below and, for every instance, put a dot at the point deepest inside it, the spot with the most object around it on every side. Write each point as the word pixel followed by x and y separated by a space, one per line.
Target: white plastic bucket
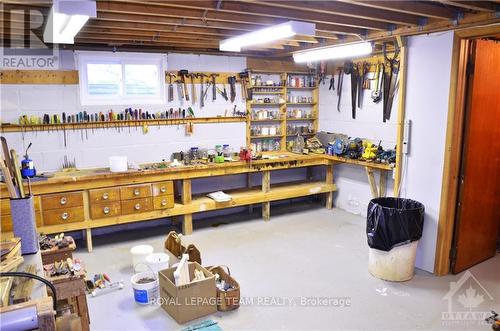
pixel 145 293
pixel 397 265
pixel 157 261
pixel 118 163
pixel 139 254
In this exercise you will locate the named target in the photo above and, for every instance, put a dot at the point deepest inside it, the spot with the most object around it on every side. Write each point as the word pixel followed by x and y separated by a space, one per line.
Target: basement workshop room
pixel 250 165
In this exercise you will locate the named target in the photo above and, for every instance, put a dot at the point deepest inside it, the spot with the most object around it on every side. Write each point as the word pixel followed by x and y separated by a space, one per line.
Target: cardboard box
pixel 188 302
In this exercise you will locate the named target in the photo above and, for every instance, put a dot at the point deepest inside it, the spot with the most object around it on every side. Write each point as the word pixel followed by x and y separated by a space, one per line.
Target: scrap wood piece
pixel 10 247
pixel 5 286
pixel 11 264
pixel 23 286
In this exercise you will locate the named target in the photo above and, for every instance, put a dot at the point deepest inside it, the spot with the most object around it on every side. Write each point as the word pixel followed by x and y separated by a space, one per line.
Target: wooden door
pixel 478 209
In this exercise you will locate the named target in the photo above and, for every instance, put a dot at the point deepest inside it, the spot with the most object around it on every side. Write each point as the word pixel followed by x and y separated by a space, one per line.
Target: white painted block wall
pixel 428 83
pixel 353 192
pixel 48 148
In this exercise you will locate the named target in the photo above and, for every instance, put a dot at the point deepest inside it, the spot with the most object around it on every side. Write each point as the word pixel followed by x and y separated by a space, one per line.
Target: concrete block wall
pixel 92 148
pixel 353 192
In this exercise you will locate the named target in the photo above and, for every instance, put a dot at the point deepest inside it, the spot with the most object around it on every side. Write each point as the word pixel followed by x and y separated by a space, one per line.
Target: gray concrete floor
pixel 311 252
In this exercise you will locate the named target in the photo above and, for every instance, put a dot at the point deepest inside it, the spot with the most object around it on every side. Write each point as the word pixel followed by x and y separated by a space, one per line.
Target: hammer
pixel 170 87
pixel 214 86
pixel 202 94
pixel 243 79
pixel 193 87
pixel 182 74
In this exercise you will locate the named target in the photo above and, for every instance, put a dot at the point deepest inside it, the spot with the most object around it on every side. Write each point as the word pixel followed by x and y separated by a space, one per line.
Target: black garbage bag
pixel 393 222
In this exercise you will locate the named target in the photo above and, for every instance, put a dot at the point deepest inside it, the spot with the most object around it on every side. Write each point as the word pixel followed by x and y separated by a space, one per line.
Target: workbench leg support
pixel 382 185
pixel 88 235
pixel 329 180
pixel 249 186
pixel 187 223
pixel 266 187
pixel 371 180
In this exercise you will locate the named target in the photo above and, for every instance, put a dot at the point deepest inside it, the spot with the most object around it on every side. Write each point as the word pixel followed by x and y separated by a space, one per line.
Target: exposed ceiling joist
pixel 426 9
pixel 228 9
pixel 343 9
pixel 483 6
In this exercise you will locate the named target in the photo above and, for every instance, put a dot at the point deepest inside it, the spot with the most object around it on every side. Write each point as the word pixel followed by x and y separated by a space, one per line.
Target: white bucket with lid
pixel 139 254
pixel 157 261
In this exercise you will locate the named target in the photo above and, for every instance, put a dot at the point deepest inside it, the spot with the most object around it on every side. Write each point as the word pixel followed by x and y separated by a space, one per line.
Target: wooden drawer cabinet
pixel 135 191
pixel 6 220
pixel 107 209
pixel 62 200
pixel 5 205
pixel 136 206
pixel 163 202
pixel 163 188
pixel 63 215
pixel 105 194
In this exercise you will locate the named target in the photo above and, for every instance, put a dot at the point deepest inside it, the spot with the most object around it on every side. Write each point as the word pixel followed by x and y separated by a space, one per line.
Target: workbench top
pixel 102 177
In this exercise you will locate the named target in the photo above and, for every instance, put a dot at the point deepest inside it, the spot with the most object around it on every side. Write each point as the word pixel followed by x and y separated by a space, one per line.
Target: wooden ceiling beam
pixel 256 13
pixel 422 8
pixel 343 9
pixel 482 6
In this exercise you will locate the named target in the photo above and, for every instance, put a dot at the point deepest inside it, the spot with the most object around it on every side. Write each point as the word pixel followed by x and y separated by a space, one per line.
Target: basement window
pixel 121 78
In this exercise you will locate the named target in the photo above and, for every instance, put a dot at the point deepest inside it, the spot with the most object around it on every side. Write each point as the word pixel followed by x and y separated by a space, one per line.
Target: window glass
pixel 104 79
pixel 141 80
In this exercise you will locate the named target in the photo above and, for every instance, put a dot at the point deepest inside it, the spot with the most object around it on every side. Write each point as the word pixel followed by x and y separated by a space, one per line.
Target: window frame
pixel 84 58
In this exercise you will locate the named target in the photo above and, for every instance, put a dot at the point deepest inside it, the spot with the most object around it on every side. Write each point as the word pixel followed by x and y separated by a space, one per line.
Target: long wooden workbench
pixel 87 199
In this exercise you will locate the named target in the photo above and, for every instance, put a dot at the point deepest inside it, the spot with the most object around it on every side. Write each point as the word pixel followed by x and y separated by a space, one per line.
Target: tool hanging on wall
pixel 214 86
pixel 171 86
pixel 351 69
pixel 244 85
pixel 223 92
pixel 232 87
pixel 182 74
pixel 17 174
pixel 366 81
pixel 377 92
pixel 202 93
pixel 390 79
pixel 322 72
pixel 340 82
pixel 192 76
pixel 180 91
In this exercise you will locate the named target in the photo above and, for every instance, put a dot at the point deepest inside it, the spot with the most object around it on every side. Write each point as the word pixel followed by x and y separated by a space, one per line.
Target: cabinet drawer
pixel 163 188
pixel 62 200
pixel 105 194
pixel 6 220
pixel 63 215
pixel 107 209
pixel 5 205
pixel 135 191
pixel 163 202
pixel 136 206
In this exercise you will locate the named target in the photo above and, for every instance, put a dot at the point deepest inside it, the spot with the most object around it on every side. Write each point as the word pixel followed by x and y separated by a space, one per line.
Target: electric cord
pixel 40 279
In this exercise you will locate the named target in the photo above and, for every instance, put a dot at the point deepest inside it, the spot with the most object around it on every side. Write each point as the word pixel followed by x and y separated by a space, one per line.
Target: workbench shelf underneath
pixel 117 124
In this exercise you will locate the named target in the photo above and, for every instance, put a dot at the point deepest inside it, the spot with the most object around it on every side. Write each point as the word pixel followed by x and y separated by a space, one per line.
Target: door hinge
pixel 453 257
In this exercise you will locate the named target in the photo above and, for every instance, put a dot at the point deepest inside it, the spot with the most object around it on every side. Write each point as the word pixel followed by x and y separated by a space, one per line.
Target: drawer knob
pixel 105 196
pixel 137 206
pixel 164 202
pixel 65 216
pixel 106 210
pixel 163 189
pixel 137 192
pixel 63 200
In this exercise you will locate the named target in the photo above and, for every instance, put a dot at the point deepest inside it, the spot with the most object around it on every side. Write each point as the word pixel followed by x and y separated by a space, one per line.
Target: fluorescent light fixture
pixel 334 52
pixel 66 18
pixel 266 35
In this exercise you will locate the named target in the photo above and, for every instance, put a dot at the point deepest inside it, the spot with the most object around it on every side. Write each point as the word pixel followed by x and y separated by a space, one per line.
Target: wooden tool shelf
pixel 222 77
pixel 267 137
pixel 117 124
pixel 301 119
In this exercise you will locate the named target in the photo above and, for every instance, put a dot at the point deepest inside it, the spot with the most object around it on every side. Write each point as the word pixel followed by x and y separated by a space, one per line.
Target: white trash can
pixel 397 265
